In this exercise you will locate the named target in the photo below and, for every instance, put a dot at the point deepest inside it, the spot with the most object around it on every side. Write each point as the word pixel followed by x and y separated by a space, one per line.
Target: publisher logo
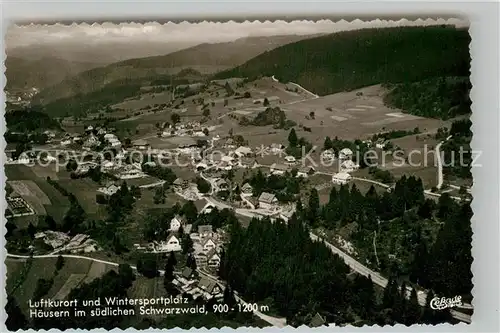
pixel 440 303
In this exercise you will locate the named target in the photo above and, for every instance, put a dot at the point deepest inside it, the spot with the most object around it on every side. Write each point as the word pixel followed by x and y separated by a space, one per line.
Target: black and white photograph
pixel 238 174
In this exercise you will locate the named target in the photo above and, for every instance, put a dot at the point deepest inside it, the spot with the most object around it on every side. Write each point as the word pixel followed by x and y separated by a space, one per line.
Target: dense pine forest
pixel 440 97
pixel 354 59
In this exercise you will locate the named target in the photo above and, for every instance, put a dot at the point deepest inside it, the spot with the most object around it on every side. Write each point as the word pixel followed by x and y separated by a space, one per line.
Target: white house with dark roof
pixel 247 189
pixel 345 154
pixel 341 178
pixel 348 166
pixel 213 259
pixel 176 222
pixel 267 200
pixel 205 230
pixel 208 244
pixel 172 244
pixel 279 169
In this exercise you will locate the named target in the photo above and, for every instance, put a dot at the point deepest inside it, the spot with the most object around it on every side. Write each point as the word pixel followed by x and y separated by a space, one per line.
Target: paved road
pixel 440 163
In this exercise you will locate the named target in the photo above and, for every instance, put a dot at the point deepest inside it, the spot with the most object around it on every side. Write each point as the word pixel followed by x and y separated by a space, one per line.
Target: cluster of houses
pixel 192 128
pixel 207 243
pixel 61 241
pixel 92 138
pixel 188 282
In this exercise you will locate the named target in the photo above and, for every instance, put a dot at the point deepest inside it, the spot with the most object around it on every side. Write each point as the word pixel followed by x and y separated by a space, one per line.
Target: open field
pixel 147 288
pixel 73 273
pixel 45 198
pixel 85 191
pixel 355 114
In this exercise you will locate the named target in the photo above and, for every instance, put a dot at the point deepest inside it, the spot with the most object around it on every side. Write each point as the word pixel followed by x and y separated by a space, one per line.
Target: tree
pixel 42 288
pixel 172 260
pixel 247 94
pixel 190 211
pixel 31 230
pixel 311 114
pixel 159 197
pixel 203 185
pixel 313 207
pixel 175 117
pixel 292 138
pixel 205 131
pixel 16 320
pixel 228 297
pixel 225 102
pixel 126 275
pixel 148 267
pixel 206 112
pixel 59 262
pixel 191 261
pixel 328 143
pixel 414 313
pixel 266 102
pixel 187 244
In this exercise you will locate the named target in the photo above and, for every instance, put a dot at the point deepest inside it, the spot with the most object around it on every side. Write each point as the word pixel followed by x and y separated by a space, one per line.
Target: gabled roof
pixel 317 320
pixel 207 284
pixel 212 253
pixel 170 237
pixel 207 240
pixel 178 181
pixel 179 218
pixel 280 167
pixel 186 272
pixel 206 228
pixel 267 197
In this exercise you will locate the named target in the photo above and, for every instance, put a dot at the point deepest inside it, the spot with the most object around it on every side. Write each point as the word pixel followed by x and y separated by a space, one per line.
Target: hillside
pixel 41 73
pixel 354 59
pixel 206 58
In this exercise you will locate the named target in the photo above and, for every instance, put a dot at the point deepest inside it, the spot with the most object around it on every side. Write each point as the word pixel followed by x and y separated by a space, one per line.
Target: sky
pixel 202 32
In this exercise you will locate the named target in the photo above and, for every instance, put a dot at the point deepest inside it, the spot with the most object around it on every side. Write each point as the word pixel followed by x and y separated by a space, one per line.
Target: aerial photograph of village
pixel 238 174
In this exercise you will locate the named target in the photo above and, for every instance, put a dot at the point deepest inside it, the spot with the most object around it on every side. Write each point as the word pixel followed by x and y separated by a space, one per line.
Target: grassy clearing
pixel 85 191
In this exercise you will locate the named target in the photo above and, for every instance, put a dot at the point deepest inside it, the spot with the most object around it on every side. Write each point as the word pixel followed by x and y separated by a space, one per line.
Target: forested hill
pixel 353 59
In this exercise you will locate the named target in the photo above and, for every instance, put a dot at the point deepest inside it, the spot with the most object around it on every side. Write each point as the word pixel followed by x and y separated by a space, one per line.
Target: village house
pixel 345 154
pixel 180 184
pixel 172 244
pixel 267 200
pixel 208 244
pixel 380 143
pixel 205 230
pixel 107 165
pixel 108 190
pixel 317 321
pixel 243 151
pixel 341 178
pixel 270 99
pixel 279 169
pixel 187 273
pixel 222 184
pixel 328 155
pixel 140 144
pixel 201 259
pixel 91 142
pixel 290 160
pixel 276 148
pixel 304 172
pixel 203 207
pixel 66 141
pixel 210 288
pixel 176 222
pixel 349 166
pixel 213 259
pixel 230 144
pixel 247 189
